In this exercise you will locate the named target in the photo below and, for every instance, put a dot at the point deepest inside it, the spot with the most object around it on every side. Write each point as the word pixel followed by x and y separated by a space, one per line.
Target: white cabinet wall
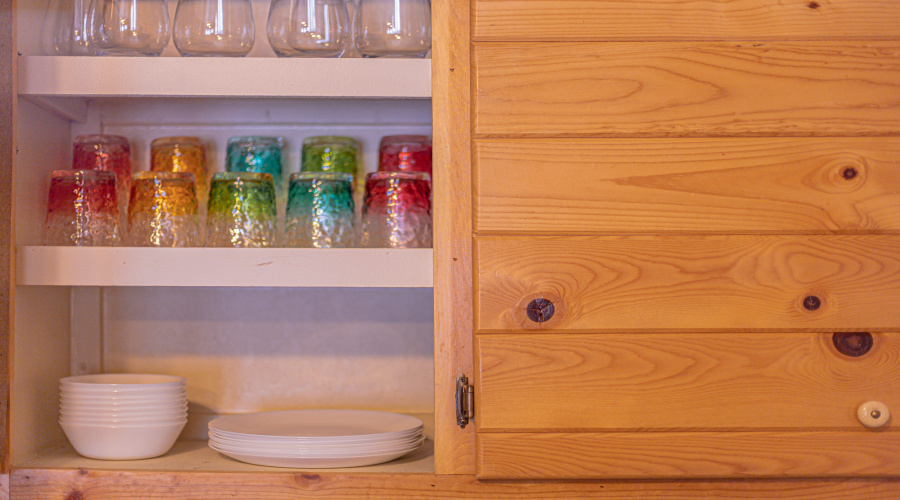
pixel 251 329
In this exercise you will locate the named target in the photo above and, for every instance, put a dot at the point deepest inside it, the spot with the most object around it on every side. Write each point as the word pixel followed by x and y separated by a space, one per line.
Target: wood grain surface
pixel 577 186
pixel 687 89
pixel 8 145
pixel 54 484
pixel 684 282
pixel 455 446
pixel 548 20
pixel 679 381
pixel 688 454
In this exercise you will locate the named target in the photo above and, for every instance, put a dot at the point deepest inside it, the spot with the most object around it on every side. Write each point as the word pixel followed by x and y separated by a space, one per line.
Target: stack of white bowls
pixel 122 416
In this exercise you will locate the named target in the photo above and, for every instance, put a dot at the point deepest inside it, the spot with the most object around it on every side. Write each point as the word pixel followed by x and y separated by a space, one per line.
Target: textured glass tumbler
pixel 182 154
pixel 241 210
pixel 163 210
pixel 405 153
pixel 128 27
pixel 397 210
pixel 393 28
pixel 213 27
pixel 109 153
pixel 308 28
pixel 330 153
pixel 82 209
pixel 257 154
pixel 320 211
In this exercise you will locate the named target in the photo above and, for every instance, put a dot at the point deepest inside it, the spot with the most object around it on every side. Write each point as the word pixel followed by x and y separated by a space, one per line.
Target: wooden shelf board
pixel 223 77
pixel 224 267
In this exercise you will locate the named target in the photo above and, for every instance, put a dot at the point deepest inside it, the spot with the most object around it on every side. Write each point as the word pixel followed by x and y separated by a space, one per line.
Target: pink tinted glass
pixel 405 153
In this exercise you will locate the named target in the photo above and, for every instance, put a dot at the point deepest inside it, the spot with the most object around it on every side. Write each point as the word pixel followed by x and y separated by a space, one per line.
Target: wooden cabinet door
pixel 677 226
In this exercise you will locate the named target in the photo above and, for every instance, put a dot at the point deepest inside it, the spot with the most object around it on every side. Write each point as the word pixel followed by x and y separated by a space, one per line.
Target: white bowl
pixel 111 407
pixel 106 442
pixel 169 419
pixel 118 392
pixel 122 382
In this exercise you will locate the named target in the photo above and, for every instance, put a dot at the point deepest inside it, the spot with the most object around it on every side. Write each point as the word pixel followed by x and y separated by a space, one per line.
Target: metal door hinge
pixel 465 401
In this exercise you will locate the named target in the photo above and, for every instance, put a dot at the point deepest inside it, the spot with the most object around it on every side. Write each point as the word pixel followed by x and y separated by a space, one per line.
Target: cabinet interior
pixel 242 349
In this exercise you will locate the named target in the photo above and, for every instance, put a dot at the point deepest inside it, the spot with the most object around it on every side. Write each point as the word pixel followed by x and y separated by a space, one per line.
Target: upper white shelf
pixel 225 267
pixel 65 76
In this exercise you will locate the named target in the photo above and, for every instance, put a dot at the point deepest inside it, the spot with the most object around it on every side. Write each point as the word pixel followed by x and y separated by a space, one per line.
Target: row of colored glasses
pixel 83 210
pixel 295 28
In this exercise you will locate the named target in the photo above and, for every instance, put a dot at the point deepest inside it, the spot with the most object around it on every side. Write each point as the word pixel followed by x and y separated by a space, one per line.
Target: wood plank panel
pixel 697 283
pixel 571 186
pixel 686 455
pixel 685 89
pixel 668 381
pixel 550 20
pixel 8 145
pixel 67 484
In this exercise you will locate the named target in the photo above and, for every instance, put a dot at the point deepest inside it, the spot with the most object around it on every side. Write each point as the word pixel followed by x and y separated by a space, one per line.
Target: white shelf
pixel 224 267
pixel 63 76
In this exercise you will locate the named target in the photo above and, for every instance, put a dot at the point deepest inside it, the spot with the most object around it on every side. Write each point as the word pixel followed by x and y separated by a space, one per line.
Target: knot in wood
pixel 853 344
pixel 811 302
pixel 849 173
pixel 539 310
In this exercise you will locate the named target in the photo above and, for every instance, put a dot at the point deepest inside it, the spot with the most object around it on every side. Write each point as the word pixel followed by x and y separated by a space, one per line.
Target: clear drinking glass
pixel 241 210
pixel 65 28
pixel 397 210
pixel 320 210
pixel 214 27
pixel 182 154
pixel 128 27
pixel 163 210
pixel 110 153
pixel 393 28
pixel 406 153
pixel 308 28
pixel 82 209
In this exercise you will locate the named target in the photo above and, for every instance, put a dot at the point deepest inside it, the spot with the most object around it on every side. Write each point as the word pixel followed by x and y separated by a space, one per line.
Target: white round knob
pixel 873 414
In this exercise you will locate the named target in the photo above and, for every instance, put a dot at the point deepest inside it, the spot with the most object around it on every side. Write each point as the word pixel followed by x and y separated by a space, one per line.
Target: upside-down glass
pixel 110 153
pixel 308 28
pixel 82 209
pixel 214 27
pixel 65 28
pixel 393 28
pixel 128 27
pixel 320 210
pixel 257 154
pixel 163 210
pixel 241 210
pixel 182 154
pixel 330 153
pixel 405 153
pixel 397 210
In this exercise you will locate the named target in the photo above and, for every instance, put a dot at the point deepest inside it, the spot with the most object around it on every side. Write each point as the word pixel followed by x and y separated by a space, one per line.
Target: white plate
pixel 314 462
pixel 274 445
pixel 318 451
pixel 317 425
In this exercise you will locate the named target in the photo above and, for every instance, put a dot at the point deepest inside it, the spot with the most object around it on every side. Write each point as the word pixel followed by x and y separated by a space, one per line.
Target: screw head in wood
pixel 540 310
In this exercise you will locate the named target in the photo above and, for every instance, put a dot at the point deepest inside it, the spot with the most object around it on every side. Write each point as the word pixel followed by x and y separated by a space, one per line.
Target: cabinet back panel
pixel 570 186
pixel 740 455
pixel 669 381
pixel 683 89
pixel 548 20
pixel 671 282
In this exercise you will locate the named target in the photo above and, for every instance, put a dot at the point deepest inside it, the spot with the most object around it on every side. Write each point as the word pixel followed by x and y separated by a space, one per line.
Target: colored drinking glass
pixel 162 211
pixel 182 154
pixel 330 154
pixel 405 153
pixel 397 210
pixel 241 210
pixel 257 154
pixel 82 209
pixel 320 210
pixel 110 153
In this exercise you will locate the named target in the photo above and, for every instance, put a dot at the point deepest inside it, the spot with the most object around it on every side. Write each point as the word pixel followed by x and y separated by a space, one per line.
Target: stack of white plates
pixel 122 416
pixel 316 438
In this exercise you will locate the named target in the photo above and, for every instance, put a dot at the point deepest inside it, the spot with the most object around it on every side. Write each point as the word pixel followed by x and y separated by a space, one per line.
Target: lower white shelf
pixel 225 267
pixel 197 456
